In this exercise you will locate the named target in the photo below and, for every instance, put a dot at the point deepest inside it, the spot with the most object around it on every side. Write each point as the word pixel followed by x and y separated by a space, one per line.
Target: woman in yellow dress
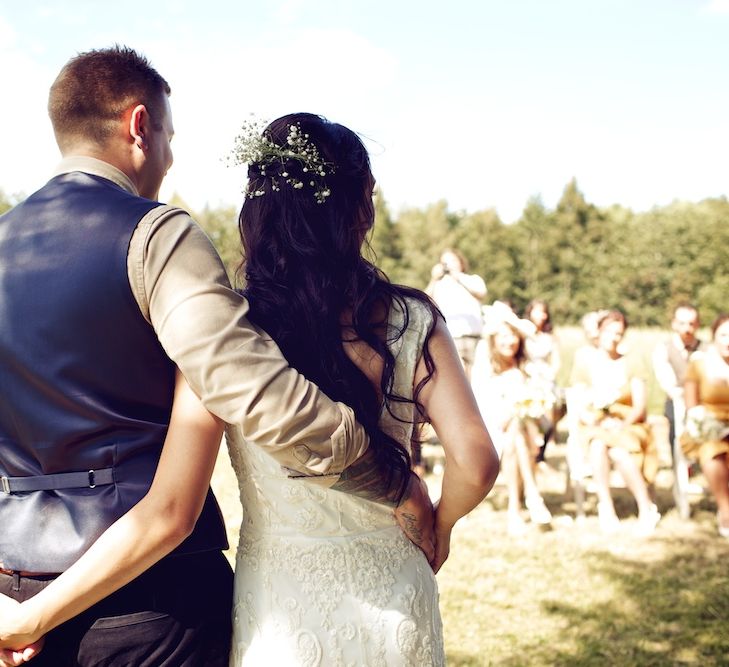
pixel 706 435
pixel 613 424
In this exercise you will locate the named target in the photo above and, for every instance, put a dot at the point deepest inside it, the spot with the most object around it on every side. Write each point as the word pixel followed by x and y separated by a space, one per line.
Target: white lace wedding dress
pixel 326 578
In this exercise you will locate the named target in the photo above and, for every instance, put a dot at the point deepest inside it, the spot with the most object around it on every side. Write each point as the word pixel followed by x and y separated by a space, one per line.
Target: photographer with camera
pixel 459 294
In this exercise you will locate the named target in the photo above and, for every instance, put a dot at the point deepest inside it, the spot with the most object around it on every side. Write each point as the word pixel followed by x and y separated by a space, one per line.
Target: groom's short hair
pixel 95 88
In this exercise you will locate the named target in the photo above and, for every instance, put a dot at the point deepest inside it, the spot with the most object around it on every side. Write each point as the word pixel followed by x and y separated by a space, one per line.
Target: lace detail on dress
pixel 327 578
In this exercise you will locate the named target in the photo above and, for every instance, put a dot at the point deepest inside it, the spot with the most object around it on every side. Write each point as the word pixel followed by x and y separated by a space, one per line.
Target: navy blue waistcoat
pixel 84 382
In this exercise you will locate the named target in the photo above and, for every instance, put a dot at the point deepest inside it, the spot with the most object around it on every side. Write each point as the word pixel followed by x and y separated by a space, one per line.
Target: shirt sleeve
pixel 473 283
pixel 237 370
pixel 663 370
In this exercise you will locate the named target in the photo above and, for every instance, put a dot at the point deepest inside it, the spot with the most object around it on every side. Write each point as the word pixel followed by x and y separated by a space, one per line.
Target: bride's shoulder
pixel 411 320
pixel 415 307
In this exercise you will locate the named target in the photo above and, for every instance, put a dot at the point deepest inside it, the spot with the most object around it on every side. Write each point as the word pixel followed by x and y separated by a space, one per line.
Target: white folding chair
pixel 681 464
pixel 578 467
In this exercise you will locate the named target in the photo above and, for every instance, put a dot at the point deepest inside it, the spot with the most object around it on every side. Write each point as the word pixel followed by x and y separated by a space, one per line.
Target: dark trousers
pixel 177 614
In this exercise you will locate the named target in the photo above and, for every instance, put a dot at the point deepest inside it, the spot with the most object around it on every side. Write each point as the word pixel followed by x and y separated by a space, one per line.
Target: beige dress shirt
pixel 237 371
pixel 670 360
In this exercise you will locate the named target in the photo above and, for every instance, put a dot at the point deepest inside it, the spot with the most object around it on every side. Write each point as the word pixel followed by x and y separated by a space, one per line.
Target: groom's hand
pixel 416 518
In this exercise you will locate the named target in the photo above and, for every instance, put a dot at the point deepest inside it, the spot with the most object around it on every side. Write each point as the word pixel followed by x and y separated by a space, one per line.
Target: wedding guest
pixel 509 303
pixel 543 363
pixel 575 402
pixel 589 324
pixel 542 349
pixel 670 361
pixel 613 423
pixel 511 407
pixel 706 434
pixel 459 294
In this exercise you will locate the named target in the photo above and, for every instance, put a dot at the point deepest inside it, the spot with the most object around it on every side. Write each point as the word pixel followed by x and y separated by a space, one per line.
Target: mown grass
pixel 573 596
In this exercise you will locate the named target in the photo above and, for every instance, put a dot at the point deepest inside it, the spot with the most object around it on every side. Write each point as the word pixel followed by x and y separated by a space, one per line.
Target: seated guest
pixel 670 361
pixel 542 363
pixel 588 322
pixel 613 425
pixel 510 408
pixel 706 434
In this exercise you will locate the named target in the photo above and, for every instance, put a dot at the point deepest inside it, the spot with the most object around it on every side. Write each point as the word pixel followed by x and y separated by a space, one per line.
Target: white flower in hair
pixel 259 152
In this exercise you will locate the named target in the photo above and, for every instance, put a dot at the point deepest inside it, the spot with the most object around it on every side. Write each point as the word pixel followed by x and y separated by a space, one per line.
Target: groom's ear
pixel 138 123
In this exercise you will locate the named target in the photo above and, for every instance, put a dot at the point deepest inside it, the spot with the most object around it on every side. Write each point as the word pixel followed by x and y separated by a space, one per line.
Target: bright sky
pixel 483 103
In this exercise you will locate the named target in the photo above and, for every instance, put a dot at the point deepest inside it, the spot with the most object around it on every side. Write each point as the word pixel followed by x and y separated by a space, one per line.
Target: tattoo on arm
pixel 411 527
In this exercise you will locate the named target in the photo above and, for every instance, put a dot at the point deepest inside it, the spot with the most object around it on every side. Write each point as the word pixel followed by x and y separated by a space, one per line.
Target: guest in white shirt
pixel 670 360
pixel 458 295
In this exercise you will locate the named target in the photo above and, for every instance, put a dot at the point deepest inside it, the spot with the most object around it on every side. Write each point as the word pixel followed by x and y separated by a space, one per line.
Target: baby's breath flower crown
pixel 297 163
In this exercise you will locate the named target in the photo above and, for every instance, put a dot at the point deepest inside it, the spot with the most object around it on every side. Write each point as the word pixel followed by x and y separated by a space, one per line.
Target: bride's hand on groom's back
pixel 415 516
pixel 14 657
pixel 11 635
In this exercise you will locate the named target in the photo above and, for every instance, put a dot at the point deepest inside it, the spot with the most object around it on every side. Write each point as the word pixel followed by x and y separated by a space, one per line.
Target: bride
pixel 324 577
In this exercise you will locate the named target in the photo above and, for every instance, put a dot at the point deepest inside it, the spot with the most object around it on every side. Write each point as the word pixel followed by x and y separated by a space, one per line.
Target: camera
pixel 445 268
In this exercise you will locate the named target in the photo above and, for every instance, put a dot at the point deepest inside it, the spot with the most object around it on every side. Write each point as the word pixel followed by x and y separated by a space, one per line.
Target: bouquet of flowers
pixel 535 400
pixel 702 426
pixel 599 403
pixel 602 399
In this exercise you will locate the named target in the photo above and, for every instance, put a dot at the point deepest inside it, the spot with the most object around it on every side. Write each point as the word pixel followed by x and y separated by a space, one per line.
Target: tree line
pixel 577 256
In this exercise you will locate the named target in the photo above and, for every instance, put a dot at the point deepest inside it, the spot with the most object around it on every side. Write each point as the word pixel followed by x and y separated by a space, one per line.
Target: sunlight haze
pixel 483 104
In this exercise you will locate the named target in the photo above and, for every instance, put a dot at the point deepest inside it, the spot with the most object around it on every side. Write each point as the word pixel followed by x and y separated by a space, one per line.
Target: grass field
pixel 573 596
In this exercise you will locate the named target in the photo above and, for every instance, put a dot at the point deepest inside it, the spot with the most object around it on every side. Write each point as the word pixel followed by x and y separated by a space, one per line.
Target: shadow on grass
pixel 673 611
pixel 576 597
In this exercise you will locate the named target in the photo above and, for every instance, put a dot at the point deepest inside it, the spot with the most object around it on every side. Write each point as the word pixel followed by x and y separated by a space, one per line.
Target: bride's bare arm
pixel 136 541
pixel 471 462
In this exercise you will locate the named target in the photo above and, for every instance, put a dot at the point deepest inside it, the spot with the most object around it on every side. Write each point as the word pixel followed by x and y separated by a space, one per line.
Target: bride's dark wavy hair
pixel 305 274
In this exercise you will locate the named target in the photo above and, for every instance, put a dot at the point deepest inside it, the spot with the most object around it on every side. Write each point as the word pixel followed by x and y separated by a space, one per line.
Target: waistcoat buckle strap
pixel 65 480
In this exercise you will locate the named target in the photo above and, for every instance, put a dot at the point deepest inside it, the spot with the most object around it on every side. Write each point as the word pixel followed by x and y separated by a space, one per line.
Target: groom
pixel 103 291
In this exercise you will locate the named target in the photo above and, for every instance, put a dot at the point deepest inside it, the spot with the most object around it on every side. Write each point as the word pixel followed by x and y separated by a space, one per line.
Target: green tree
pixel 487 244
pixel 578 257
pixel 577 248
pixel 534 239
pixel 385 249
pixel 221 225
pixel 6 203
pixel 423 236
